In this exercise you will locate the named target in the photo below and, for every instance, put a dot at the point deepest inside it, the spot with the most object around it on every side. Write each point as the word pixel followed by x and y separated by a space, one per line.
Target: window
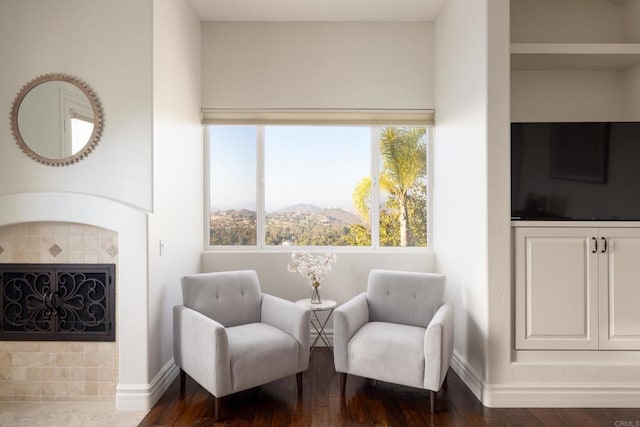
pixel 81 130
pixel 232 193
pixel 341 186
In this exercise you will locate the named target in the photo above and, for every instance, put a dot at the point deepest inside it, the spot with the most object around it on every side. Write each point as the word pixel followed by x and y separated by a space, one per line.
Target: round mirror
pixel 56 119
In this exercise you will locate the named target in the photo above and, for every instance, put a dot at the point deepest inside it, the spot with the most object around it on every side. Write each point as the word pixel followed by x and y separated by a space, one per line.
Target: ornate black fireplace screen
pixel 57 302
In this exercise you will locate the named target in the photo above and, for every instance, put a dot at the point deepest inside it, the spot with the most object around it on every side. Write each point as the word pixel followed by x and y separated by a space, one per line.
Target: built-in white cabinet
pixel 577 288
pixel 619 288
pixel 556 288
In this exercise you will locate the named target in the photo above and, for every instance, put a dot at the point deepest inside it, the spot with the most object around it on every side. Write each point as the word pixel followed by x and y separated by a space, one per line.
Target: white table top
pixel 326 304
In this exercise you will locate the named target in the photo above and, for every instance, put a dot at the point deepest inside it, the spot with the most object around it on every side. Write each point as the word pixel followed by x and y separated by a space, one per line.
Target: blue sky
pixel 319 165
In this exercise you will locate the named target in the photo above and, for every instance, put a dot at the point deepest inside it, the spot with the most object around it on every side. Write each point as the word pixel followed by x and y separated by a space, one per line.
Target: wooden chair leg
pixel 432 401
pixel 343 383
pixel 183 378
pixel 216 408
pixel 299 381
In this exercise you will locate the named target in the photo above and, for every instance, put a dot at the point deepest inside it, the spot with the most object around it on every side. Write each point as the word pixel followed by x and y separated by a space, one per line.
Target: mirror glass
pixel 56 119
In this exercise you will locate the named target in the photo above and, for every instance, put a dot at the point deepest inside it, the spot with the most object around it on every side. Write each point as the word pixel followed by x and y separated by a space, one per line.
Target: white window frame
pixel 375 191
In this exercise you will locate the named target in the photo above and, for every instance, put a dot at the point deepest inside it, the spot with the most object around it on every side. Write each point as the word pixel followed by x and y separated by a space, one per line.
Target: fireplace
pixel 77 369
pixel 57 302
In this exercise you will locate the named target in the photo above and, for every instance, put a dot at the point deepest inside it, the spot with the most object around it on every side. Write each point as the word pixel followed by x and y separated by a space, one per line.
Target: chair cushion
pixel 388 352
pixel 259 354
pixel 230 298
pixel 404 297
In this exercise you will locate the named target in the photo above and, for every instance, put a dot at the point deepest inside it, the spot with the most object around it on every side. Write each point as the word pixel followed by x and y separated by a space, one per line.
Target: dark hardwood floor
pixel 364 403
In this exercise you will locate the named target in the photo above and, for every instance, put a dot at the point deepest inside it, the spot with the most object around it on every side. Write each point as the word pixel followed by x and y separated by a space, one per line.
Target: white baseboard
pixel 547 395
pixel 142 397
pixel 556 395
pixel 467 374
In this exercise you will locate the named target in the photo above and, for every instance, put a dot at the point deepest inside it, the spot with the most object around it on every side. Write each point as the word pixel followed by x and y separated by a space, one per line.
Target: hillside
pixel 300 224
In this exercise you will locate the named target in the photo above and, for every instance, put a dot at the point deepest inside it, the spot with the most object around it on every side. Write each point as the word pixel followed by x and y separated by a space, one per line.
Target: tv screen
pixel 575 171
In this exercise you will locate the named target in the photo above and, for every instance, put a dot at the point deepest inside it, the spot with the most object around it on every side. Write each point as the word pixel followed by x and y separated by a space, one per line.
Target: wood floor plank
pixel 195 405
pixel 364 403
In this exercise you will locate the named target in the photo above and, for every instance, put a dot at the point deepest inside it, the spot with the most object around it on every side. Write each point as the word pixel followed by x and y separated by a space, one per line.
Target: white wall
pixel 567 21
pixel 567 96
pixel 177 219
pixel 318 65
pixel 460 184
pixel 499 192
pixel 631 16
pixel 632 94
pixel 106 44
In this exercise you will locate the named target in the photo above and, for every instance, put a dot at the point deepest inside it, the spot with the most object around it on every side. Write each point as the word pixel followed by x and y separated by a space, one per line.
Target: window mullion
pixel 260 208
pixel 374 211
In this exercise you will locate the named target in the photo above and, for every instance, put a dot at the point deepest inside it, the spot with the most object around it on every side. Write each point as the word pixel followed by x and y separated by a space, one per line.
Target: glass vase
pixel 315 294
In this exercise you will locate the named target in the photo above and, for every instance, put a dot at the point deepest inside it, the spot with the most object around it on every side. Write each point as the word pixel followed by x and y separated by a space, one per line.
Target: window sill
pixel 322 249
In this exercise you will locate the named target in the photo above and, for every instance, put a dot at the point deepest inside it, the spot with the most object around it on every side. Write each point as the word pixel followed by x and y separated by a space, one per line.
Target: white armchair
pixel 399 331
pixel 229 337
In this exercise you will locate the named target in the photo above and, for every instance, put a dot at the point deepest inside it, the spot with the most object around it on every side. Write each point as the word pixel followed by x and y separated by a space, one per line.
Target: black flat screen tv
pixel 587 171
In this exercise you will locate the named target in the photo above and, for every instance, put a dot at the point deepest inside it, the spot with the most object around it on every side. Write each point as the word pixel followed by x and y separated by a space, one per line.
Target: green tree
pixel 404 156
pixel 403 177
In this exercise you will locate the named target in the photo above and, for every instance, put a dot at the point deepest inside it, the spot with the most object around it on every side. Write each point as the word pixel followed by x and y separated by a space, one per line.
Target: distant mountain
pixel 234 212
pixel 332 215
pixel 301 224
pixel 341 215
pixel 292 214
pixel 300 208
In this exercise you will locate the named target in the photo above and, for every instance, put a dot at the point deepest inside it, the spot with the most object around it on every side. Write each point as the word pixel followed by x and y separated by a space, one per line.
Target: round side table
pixel 327 305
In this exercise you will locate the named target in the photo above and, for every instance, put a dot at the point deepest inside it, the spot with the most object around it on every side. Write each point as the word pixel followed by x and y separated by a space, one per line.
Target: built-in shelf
pixel 574 56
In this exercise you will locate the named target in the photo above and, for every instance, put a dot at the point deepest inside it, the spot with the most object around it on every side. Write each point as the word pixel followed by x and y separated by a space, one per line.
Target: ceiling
pixel 318 10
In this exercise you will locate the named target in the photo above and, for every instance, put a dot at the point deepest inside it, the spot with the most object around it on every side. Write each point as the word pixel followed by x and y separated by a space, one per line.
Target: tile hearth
pixel 52 414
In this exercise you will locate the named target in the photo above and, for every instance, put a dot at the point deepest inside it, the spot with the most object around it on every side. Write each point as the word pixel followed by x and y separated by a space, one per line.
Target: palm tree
pixel 404 158
pixel 403 153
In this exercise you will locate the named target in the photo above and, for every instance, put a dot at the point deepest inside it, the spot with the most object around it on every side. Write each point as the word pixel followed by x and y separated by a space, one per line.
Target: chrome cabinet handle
pixel 604 242
pixel 595 245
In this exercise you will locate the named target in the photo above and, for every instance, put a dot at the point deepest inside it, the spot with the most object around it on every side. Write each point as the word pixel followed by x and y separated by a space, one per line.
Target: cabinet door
pixel 620 288
pixel 556 288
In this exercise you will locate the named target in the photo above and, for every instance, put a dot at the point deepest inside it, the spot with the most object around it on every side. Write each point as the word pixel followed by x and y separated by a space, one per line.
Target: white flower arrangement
pixel 313 268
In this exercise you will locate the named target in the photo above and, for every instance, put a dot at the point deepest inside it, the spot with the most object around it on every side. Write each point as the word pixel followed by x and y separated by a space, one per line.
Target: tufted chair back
pixel 231 298
pixel 404 297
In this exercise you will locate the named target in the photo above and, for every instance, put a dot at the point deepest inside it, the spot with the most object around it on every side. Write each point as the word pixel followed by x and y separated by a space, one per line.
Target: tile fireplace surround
pixel 41 370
